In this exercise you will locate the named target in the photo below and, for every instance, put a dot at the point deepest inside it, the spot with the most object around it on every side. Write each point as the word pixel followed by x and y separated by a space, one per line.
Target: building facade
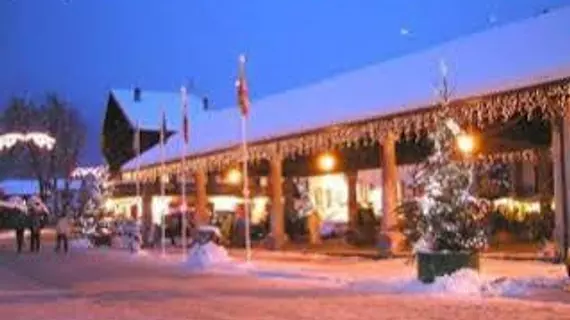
pixel 375 122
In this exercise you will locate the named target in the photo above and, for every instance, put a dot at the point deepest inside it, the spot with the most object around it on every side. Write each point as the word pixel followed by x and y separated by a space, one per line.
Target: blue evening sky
pixel 82 48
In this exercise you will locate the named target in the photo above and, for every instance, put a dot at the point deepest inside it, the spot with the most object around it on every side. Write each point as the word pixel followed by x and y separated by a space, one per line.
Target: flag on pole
pixel 243 101
pixel 162 182
pixel 185 129
pixel 242 91
pixel 137 150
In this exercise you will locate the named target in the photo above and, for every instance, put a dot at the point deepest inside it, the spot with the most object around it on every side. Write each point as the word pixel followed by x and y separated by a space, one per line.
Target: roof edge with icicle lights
pixel 550 99
pixel 495 77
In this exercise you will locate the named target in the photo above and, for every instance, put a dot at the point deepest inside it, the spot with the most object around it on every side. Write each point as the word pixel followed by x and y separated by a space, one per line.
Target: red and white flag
pixel 241 86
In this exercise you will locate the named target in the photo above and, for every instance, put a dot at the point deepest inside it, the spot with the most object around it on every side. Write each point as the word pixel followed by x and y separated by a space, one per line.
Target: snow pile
pixel 80 244
pixel 205 256
pixel 510 287
pixel 464 282
pixel 467 282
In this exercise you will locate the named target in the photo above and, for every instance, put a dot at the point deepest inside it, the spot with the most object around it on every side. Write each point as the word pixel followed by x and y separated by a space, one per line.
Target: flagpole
pixel 246 188
pixel 138 167
pixel 183 94
pixel 244 105
pixel 162 182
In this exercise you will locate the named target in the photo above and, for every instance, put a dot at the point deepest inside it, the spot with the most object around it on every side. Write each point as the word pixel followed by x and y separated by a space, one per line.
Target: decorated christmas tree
pixel 446 217
pixel 93 192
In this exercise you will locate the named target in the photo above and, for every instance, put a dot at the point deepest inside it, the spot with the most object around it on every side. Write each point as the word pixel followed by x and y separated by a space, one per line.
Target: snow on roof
pixel 519 54
pixel 28 187
pixel 147 111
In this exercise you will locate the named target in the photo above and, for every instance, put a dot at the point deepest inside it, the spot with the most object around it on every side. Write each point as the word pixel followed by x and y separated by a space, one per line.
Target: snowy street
pixel 103 284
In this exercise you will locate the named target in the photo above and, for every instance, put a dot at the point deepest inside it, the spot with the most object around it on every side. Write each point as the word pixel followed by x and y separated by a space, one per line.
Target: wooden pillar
pixel 201 182
pixel 277 205
pixel 352 179
pixel 544 175
pixel 561 172
pixel 389 238
pixel 512 179
pixel 146 208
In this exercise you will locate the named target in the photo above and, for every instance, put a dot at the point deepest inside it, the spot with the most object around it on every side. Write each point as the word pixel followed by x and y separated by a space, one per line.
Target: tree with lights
pixel 94 190
pixel 61 121
pixel 446 217
pixel 446 223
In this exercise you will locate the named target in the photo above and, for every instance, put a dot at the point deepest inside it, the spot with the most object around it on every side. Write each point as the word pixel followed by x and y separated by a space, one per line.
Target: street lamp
pixel 326 162
pixel 466 143
pixel 233 177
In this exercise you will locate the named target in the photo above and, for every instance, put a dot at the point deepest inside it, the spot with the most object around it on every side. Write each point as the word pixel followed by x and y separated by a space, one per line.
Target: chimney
pixel 137 94
pixel 205 103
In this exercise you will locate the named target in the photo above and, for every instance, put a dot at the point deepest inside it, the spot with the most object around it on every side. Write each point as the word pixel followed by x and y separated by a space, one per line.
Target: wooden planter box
pixel 437 264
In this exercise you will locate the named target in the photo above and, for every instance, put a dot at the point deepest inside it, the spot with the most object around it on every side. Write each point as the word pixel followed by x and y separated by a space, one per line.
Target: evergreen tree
pixel 446 217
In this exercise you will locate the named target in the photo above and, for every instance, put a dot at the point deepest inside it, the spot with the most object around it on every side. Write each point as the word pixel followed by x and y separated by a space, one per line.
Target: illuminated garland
pixel 82 172
pixel 551 100
pixel 41 140
pixel 527 155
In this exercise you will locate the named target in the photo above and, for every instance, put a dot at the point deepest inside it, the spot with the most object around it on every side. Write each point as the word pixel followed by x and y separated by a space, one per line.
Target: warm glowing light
pixel 160 207
pixel 327 162
pixel 109 205
pixel 122 206
pixel 521 206
pixel 233 177
pixel 230 203
pixel 466 143
pixel 41 140
pixel 82 172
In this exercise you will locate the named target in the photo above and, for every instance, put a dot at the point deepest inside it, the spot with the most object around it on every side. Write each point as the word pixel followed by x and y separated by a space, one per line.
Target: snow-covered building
pixel 510 85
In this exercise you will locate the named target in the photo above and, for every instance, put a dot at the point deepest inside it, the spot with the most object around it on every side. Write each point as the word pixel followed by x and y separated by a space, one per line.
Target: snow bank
pixel 80 244
pixel 511 287
pixel 207 255
pixel 464 283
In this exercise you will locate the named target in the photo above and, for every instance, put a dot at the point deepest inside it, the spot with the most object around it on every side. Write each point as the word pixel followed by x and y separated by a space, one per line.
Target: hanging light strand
pixel 549 100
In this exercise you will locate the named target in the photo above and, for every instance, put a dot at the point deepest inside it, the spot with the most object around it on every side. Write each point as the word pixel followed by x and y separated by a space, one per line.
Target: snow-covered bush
pixel 203 256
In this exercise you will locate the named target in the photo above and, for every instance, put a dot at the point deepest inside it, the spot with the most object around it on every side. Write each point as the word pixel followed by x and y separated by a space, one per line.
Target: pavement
pixel 103 284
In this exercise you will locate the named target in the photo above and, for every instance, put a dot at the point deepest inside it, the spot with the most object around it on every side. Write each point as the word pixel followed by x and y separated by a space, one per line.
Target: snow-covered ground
pixel 496 279
pixel 114 284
